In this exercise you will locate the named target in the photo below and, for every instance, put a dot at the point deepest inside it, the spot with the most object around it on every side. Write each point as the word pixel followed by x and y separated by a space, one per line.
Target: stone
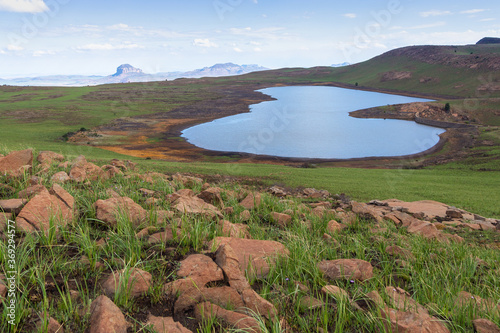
pixel 13 163
pixel 138 282
pixel 12 205
pixel 147 193
pixel 485 326
pixel 3 290
pixel 409 322
pixel 347 218
pixel 335 292
pixel 254 302
pixel 110 210
pixel 187 181
pixel 346 269
pixel 31 191
pixel 226 297
pixel 251 201
pixel 52 326
pixel 55 207
pixel 49 157
pixel 375 298
pixel 119 164
pixel 236 230
pixel 424 229
pixel 399 252
pixel 150 202
pixel 254 256
pixel 106 317
pixel 111 171
pixel 333 227
pixel 401 300
pixel 245 215
pixel 145 232
pixel 401 219
pixel 201 269
pixel 82 170
pixel 161 237
pixel 60 177
pixel 166 325
pixel 283 220
pixel 208 311
pixel 212 195
pixel 366 211
pixel 228 211
pixel 486 225
pixel 465 299
pixel 195 205
pixel 313 193
pixel 163 216
pixel 277 191
pixel 310 303
pixel 454 214
pixel 227 259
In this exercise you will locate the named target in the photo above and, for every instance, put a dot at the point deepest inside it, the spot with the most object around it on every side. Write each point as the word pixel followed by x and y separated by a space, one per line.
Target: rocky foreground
pixel 217 282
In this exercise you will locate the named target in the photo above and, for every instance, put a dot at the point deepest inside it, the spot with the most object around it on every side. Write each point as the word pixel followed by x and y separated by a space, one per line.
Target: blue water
pixel 313 122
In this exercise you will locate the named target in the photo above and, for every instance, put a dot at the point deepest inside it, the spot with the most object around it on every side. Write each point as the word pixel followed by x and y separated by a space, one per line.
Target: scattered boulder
pixel 110 210
pixel 334 226
pixel 485 326
pixel 49 157
pixel 111 171
pixel 12 205
pixel 166 325
pixel 310 303
pixel 60 177
pixel 138 282
pixel 277 191
pixel 335 292
pixel 236 230
pixel 424 229
pixel 212 195
pixel 106 317
pixel 14 163
pixel 366 211
pixel 283 220
pixel 254 256
pixel 453 213
pixel 245 215
pixel 207 311
pixel 56 207
pixel 408 322
pixel 194 205
pixel 161 237
pixel 201 269
pixel 187 181
pixel 399 252
pixel 52 326
pixel 83 170
pixel 251 201
pixel 355 269
pixel 31 191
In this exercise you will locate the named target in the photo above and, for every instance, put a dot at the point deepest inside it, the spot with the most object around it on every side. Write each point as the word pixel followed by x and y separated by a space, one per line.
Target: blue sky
pixel 43 37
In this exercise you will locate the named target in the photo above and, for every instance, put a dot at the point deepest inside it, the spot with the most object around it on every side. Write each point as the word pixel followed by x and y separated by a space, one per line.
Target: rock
pixel 83 170
pixel 13 163
pixel 195 205
pixel 257 304
pixel 334 226
pixel 335 292
pixel 111 171
pixel 313 193
pixel 253 255
pixel 166 325
pixel 138 282
pixel 486 225
pixel 347 218
pixel 187 181
pixel 201 269
pixel 227 259
pixel 376 299
pixel 310 303
pixel 212 195
pixel 465 299
pixel 110 210
pixel 226 297
pixel 3 290
pixel 346 269
pixel 402 301
pixel 147 193
pixel 236 230
pixel 424 229
pixel 401 219
pixel 283 220
pixel 366 211
pixel 245 215
pixel 319 211
pixel 208 311
pixel 277 191
pixel 485 326
pixel 49 157
pixel 150 202
pixel 106 317
pixel 472 226
pixel 454 214
pixel 52 326
pixel 163 216
pixel 60 177
pixel 145 232
pixel 409 322
pixel 12 205
pixel 228 211
pixel 31 191
pixel 161 237
pixel 56 206
pixel 399 252
pixel 251 201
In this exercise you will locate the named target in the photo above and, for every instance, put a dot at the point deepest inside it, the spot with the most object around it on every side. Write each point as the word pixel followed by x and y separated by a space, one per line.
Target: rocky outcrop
pixel 106 317
pixel 346 269
pixel 16 162
pixel 111 210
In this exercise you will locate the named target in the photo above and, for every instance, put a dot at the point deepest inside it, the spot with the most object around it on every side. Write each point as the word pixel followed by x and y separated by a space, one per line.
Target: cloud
pixel 107 47
pixel 350 15
pixel 435 13
pixel 23 6
pixel 13 47
pixel 237 49
pixel 270 33
pixel 2 52
pixel 204 43
pixel 257 49
pixel 42 53
pixel 488 19
pixel 472 11
pixel 426 26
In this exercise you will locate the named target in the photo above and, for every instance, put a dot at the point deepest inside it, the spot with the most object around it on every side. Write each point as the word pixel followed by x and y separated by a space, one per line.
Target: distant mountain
pixel 341 65
pixel 489 40
pixel 127 73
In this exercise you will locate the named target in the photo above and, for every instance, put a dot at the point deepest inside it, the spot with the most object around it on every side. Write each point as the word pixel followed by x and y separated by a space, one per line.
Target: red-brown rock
pixel 366 211
pixel 236 230
pixel 52 326
pixel 251 201
pixel 60 177
pixel 138 282
pixel 83 170
pixel 12 205
pixel 161 237
pixel 334 226
pixel 424 229
pixel 410 322
pixel 49 157
pixel 194 205
pixel 166 325
pixel 283 220
pixel 399 252
pixel 110 210
pixel 13 163
pixel 106 317
pixel 212 195
pixel 207 310
pixel 485 326
pixel 346 269
pixel 31 191
pixel 201 269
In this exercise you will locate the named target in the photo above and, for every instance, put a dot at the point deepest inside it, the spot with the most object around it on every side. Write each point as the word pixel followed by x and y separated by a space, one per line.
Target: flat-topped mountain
pixel 489 40
pixel 127 69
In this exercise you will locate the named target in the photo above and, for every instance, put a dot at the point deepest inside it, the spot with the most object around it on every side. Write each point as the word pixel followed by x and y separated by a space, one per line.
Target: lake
pixel 313 122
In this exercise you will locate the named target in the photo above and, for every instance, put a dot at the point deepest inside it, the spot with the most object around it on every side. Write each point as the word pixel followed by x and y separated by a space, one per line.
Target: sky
pixel 93 37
